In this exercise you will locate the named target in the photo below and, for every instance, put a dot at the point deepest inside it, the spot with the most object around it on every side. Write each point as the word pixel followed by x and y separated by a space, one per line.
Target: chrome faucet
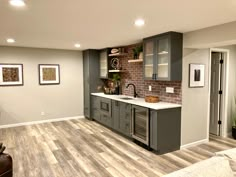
pixel 135 93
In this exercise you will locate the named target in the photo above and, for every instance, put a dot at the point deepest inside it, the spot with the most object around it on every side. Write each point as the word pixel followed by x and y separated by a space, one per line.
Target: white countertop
pixel 139 101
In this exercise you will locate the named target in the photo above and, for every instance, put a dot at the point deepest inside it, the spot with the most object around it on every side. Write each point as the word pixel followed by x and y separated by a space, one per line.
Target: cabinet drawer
pixel 106 120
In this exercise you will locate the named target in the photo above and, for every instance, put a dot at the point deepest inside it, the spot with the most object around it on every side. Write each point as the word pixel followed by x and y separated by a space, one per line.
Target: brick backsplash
pixel 134 75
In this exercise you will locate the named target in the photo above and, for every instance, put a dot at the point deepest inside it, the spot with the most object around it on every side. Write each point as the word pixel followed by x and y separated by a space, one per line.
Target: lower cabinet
pixel 161 131
pixel 121 115
pixel 101 110
pixel 165 130
pixel 95 104
pixel 106 120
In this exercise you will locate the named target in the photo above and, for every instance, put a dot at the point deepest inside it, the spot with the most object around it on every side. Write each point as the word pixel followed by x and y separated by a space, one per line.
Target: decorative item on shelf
pixel 115 50
pixel 115 63
pixel 109 91
pixel 11 74
pixel 116 81
pixel 137 51
pixel 151 99
pixel 196 75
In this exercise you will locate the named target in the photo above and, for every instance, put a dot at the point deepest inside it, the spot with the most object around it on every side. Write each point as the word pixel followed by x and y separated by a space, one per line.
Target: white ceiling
pixel 105 23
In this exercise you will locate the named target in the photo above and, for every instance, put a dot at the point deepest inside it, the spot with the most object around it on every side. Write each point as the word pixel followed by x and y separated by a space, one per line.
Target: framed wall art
pixel 11 75
pixel 49 74
pixel 196 75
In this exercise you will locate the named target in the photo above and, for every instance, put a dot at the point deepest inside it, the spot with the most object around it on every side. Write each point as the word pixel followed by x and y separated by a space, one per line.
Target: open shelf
pixel 150 54
pixel 117 54
pixel 150 65
pixel 116 71
pixel 163 64
pixel 163 53
pixel 135 60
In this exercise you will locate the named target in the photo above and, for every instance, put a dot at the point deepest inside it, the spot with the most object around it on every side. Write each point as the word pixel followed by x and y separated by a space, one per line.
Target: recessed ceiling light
pixel 139 22
pixel 10 40
pixel 17 3
pixel 77 45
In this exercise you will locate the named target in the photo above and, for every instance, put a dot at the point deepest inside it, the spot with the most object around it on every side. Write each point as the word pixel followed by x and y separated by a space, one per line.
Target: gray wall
pixel 221 35
pixel 194 100
pixel 25 103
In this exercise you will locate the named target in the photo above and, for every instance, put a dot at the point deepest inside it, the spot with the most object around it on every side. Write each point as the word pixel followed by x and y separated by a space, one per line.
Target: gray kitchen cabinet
pixel 101 110
pixel 165 127
pixel 121 114
pixel 95 108
pixel 91 78
pixel 163 57
pixel 105 111
pixel 103 58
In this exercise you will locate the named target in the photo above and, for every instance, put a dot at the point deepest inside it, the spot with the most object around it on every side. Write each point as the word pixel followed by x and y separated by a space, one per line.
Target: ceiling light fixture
pixel 77 45
pixel 10 40
pixel 139 22
pixel 17 3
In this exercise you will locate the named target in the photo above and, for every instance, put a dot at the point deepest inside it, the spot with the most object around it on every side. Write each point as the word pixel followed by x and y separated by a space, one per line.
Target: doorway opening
pixel 218 92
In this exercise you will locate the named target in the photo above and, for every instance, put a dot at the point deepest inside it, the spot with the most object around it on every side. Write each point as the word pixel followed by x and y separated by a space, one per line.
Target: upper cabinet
pixel 103 64
pixel 163 57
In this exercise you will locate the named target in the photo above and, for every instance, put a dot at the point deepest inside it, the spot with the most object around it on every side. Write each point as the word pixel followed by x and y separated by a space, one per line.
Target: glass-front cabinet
pixel 149 58
pixel 103 64
pixel 163 57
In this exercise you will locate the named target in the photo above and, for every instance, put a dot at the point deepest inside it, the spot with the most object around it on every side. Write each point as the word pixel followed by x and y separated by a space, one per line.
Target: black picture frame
pixel 20 74
pixel 41 74
pixel 196 75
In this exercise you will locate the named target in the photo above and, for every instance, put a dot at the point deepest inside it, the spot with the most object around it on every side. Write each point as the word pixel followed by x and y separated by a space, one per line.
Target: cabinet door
pixel 153 129
pixel 116 115
pixel 95 108
pixel 125 118
pixel 163 57
pixel 103 64
pixel 149 59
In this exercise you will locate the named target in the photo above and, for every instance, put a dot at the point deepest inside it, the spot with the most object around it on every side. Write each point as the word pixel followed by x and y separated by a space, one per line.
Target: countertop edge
pixel 153 106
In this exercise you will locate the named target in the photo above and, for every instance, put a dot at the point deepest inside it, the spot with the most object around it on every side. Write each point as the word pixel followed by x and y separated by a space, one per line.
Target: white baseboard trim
pixel 194 143
pixel 40 122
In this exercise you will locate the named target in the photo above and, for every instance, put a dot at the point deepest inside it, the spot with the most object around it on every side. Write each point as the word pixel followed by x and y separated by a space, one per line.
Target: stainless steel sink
pixel 126 98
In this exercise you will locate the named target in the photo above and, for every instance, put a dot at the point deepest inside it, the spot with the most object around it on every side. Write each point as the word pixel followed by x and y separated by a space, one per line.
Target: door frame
pixel 224 104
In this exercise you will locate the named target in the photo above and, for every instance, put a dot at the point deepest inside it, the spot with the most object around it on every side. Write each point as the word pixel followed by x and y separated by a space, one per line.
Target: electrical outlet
pixel 150 88
pixel 169 89
pixel 42 113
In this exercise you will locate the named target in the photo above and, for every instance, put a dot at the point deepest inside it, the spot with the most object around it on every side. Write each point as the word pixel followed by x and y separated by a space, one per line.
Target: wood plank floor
pixel 83 148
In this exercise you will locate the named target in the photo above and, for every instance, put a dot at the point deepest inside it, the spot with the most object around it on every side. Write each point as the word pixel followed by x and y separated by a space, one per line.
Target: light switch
pixel 150 88
pixel 169 89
